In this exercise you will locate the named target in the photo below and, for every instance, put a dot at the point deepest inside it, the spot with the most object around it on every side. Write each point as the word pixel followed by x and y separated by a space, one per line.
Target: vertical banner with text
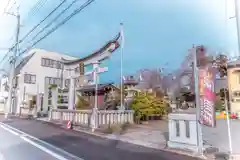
pixel 207 96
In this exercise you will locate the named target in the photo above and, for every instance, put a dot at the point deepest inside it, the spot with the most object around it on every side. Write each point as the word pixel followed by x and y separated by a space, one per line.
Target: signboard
pixel 81 68
pixel 207 97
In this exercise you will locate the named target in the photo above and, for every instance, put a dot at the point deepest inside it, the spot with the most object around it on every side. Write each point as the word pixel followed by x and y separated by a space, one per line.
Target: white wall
pixel 34 67
pixel 3 92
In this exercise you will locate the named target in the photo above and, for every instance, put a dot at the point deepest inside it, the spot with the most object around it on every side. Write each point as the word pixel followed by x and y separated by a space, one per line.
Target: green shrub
pixel 82 103
pixel 146 104
pixel 219 104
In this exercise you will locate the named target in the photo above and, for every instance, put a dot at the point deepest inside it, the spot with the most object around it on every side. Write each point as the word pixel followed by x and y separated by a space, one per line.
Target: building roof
pixel 22 63
pixel 130 80
pixel 233 64
pixel 101 87
pixel 98 52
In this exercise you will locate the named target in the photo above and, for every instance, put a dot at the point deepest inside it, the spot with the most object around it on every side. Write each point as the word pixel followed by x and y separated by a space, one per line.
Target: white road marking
pixel 9 130
pixel 2 156
pixel 14 131
pixel 43 149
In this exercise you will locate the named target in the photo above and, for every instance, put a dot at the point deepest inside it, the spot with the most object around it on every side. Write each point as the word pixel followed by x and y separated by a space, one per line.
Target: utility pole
pixel 237 16
pixel 197 100
pixel 11 77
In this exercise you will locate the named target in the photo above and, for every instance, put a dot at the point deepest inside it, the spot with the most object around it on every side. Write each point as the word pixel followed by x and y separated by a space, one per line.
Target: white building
pixel 36 70
pixel 3 91
pixel 4 88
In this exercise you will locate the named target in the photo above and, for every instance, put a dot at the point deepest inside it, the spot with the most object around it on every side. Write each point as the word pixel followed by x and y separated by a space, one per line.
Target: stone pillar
pixel 71 98
pixel 54 98
pixel 45 99
pixel 94 115
pixel 95 76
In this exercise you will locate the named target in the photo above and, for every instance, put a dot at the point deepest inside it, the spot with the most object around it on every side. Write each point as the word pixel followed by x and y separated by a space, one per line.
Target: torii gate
pixel 95 59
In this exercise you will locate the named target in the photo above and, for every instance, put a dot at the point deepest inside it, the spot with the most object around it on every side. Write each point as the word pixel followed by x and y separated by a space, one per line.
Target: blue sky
pixel 156 31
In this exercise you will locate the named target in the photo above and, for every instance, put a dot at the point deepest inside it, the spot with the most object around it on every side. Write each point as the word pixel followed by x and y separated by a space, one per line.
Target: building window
pixel 76 81
pixel 29 78
pixel 67 83
pixel 52 80
pixel 46 62
pixel 76 70
pixel 177 128
pixel 187 126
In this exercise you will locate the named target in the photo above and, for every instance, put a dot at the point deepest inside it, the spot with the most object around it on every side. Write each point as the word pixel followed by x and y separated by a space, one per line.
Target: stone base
pixel 226 156
pixel 184 146
pixel 234 156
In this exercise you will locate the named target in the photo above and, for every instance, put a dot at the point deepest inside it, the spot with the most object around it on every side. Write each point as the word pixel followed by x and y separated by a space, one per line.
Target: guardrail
pixel 83 117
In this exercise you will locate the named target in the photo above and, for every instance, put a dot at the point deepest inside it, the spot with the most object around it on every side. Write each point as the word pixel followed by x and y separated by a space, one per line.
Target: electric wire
pixel 10 7
pixel 56 8
pixel 56 18
pixel 10 49
pixel 75 12
pixel 8 2
pixel 37 7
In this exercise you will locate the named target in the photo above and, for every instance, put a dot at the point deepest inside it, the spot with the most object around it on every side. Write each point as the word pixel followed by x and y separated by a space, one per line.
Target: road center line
pixel 25 135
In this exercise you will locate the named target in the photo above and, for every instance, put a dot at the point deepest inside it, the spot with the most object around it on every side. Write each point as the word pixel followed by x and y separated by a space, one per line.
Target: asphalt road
pixel 84 146
pixel 218 137
pixel 13 147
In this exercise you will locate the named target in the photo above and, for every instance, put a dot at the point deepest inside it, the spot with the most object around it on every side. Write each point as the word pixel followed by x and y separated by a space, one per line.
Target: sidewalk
pixel 153 135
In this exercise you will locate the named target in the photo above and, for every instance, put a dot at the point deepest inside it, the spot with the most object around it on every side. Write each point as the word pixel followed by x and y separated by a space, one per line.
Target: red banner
pixel 207 97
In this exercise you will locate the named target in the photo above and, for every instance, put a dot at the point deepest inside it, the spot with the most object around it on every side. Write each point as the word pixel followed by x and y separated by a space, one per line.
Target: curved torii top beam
pixel 107 49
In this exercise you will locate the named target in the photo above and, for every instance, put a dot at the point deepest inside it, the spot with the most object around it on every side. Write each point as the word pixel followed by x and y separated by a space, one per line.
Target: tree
pixel 221 64
pixel 219 104
pixel 152 78
pixel 224 93
pixel 113 99
pixel 82 103
pixel 146 104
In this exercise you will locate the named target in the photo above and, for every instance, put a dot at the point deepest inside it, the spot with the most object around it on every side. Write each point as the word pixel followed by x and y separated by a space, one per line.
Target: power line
pixel 58 16
pixel 5 56
pixel 6 6
pixel 11 6
pixel 60 24
pixel 42 21
pixel 10 49
pixel 37 6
